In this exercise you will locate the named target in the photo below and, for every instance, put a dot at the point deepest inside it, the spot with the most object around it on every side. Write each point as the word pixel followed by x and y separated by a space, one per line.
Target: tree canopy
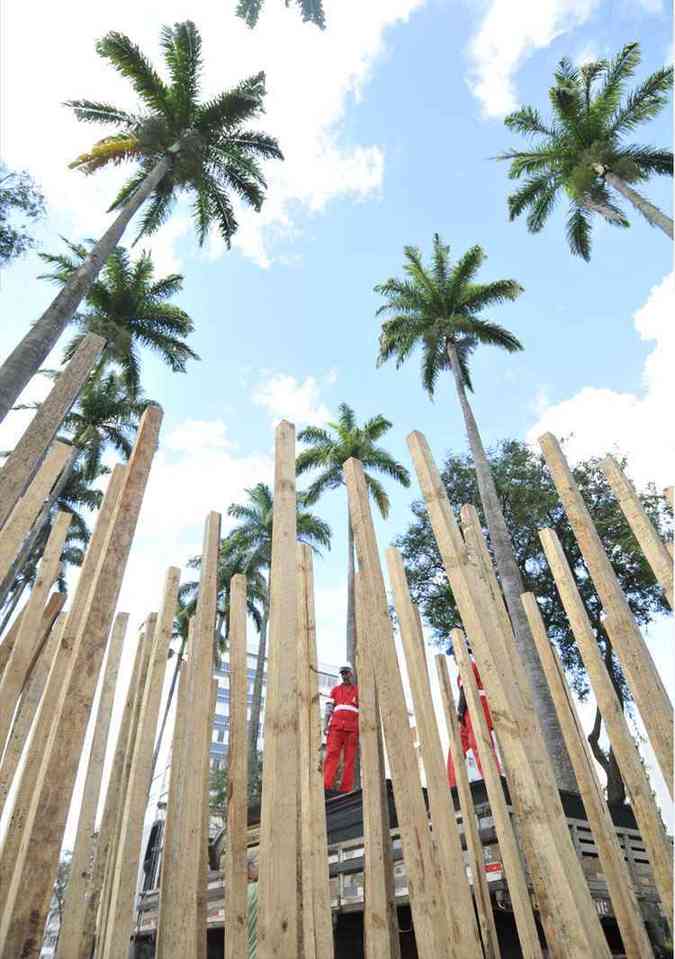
pixel 311 10
pixel 21 204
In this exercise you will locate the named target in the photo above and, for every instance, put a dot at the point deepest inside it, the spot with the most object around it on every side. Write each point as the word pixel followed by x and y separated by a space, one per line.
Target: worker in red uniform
pixel 342 730
pixel 466 730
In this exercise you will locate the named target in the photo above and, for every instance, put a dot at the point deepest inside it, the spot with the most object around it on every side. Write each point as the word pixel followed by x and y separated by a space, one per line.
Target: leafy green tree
pixel 584 152
pixel 530 502
pixel 327 451
pixel 312 11
pixel 178 145
pixel 439 308
pixel 129 308
pixel 21 204
pixel 253 536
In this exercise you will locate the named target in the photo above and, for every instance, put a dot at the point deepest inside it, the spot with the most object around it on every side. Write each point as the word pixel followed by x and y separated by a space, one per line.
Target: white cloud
pixel 312 78
pixel 287 398
pixel 599 420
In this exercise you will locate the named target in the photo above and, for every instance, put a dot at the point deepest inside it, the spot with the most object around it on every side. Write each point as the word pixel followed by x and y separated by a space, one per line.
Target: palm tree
pixel 312 11
pixel 328 450
pixel 129 308
pixel 583 152
pixel 253 536
pixel 439 308
pixel 179 145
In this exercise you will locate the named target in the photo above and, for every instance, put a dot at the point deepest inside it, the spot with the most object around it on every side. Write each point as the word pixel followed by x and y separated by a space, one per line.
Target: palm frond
pixel 129 60
pixel 579 231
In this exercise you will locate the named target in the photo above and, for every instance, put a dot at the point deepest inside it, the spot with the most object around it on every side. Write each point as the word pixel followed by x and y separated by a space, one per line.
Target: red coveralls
pixel 466 731
pixel 343 736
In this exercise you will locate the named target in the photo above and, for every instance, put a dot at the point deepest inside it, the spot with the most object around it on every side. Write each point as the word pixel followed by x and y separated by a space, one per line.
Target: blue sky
pixel 390 120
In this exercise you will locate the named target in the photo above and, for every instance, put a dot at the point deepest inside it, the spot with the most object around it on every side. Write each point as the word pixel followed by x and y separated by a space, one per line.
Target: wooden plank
pixel 30 699
pixel 633 933
pixel 236 874
pixel 481 892
pixel 22 463
pixel 306 931
pixel 31 887
pixel 30 634
pixel 203 889
pixel 123 889
pixel 455 891
pixel 650 542
pixel 625 749
pixel 629 645
pixel 512 863
pixel 82 855
pixel 432 928
pixel 277 883
pixel 7 644
pixel 380 915
pixel 566 908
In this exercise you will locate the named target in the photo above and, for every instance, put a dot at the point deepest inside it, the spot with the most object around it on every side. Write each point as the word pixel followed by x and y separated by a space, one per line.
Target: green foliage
pixel 214 154
pixel 329 449
pixel 585 139
pixel 439 306
pixel 218 782
pixel 130 308
pixel 311 10
pixel 529 502
pixel 21 204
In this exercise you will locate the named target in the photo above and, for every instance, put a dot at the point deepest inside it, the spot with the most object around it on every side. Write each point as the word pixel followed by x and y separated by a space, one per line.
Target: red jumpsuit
pixel 466 731
pixel 343 736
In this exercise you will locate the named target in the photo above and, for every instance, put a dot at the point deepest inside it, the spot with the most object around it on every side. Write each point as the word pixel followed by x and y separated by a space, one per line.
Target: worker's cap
pixel 346 668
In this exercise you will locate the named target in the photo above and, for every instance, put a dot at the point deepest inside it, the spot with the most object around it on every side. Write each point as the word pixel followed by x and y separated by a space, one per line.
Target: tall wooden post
pixel 314 848
pixel 568 914
pixel 633 933
pixel 474 846
pixel 512 863
pixel 28 639
pixel 628 643
pixel 81 860
pixel 123 890
pixel 380 916
pixel 278 873
pixel 432 926
pixel 651 544
pixel 30 700
pixel 625 750
pixel 31 887
pixel 235 878
pixel 203 886
pixel 23 461
pixel 24 514
pixel 7 644
pixel 458 906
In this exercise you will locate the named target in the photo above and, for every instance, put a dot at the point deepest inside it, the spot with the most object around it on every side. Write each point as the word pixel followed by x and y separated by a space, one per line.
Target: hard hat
pixel 346 667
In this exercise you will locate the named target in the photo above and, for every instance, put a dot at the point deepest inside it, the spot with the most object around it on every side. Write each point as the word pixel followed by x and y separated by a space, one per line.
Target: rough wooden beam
pixel 458 906
pixel 31 887
pixel 7 644
pixel 203 888
pixel 625 749
pixel 22 463
pixel 629 645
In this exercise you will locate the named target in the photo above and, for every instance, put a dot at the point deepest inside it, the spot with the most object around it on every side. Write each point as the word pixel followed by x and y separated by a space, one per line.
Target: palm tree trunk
pixel 28 356
pixel 256 704
pixel 351 597
pixel 512 587
pixel 651 213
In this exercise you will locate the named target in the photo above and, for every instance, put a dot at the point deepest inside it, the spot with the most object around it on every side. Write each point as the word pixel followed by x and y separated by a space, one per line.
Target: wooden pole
pixel 633 933
pixel 380 916
pixel 512 863
pixel 26 510
pixel 123 889
pixel 83 848
pixel 626 752
pixel 432 928
pixel 22 463
pixel 277 883
pixel 114 794
pixel 627 641
pixel 31 888
pixel 651 544
pixel 481 892
pixel 566 908
pixel 235 878
pixel 30 699
pixel 7 645
pixel 30 634
pixel 458 905
pixel 203 889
